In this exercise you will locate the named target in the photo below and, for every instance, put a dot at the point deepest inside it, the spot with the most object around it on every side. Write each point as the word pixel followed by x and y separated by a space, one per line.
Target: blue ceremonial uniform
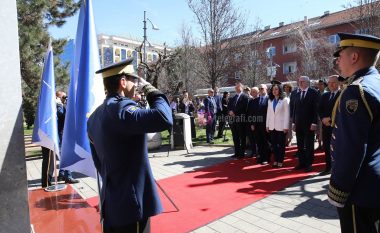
pixel 355 143
pixel 117 131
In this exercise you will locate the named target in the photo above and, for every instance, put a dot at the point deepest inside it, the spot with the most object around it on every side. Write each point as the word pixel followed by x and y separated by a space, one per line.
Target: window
pixel 311 44
pixel 237 57
pixel 237 75
pixel 289 67
pixel 311 66
pixel 362 31
pixel 289 48
pixel 271 52
pixel 334 39
pixel 254 53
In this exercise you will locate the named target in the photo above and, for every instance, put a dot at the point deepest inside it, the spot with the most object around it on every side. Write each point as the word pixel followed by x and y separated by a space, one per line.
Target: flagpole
pixel 56 186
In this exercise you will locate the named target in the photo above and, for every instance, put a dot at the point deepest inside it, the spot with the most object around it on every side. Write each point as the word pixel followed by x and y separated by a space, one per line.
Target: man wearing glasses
pixel 305 120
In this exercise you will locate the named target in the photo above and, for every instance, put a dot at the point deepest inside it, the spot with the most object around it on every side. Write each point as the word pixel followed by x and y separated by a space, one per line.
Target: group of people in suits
pixel 266 117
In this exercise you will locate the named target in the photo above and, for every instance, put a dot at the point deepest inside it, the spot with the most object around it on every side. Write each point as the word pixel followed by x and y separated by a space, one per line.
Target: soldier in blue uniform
pixel 355 142
pixel 117 132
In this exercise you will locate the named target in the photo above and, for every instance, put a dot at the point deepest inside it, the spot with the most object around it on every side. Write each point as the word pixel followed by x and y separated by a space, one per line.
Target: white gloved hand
pixel 141 82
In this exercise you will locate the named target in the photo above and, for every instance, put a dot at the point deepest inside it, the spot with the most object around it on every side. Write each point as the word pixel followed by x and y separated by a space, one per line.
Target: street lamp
pixel 154 27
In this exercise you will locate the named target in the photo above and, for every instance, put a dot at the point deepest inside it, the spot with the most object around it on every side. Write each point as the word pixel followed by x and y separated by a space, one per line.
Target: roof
pixel 324 21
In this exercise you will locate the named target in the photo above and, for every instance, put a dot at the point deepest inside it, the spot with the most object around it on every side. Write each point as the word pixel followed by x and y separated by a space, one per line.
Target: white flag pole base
pixel 56 187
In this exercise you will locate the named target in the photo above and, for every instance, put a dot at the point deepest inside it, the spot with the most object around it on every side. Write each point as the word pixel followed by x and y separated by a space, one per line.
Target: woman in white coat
pixel 277 122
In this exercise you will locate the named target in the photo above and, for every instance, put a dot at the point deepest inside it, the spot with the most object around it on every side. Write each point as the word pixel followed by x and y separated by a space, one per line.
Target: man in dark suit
pixel 251 114
pixel 219 108
pixel 325 107
pixel 292 101
pixel 305 119
pixel 259 108
pixel 237 110
pixel 210 112
pixel 117 132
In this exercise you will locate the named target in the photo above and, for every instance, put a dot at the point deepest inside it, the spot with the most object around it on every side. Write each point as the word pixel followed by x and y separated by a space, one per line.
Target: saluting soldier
pixel 117 132
pixel 355 142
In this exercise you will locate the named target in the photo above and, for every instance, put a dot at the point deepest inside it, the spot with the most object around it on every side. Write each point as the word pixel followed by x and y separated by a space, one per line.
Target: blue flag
pixel 45 132
pixel 86 93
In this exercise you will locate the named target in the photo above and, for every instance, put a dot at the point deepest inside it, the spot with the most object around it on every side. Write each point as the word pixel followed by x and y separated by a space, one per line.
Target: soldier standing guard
pixel 117 132
pixel 355 142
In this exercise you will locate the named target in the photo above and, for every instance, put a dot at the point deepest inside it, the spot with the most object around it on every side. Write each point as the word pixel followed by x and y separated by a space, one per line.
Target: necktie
pixel 213 103
pixel 237 98
pixel 332 95
pixel 261 100
pixel 302 95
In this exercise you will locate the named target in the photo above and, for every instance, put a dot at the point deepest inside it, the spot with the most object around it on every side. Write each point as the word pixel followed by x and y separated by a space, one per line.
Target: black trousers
pixel 238 130
pixel 305 144
pixel 137 227
pixel 193 131
pixel 47 167
pixel 326 138
pixel 356 219
pixel 262 140
pixel 221 118
pixel 278 144
pixel 210 129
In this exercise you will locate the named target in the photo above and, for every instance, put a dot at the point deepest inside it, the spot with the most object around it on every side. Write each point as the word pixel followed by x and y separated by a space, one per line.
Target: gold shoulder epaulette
pixel 361 91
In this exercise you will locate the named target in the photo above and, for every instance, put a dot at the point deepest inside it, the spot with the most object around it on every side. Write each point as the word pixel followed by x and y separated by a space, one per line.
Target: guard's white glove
pixel 141 83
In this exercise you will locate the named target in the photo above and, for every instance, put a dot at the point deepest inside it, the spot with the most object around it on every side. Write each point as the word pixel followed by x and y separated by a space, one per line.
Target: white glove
pixel 141 82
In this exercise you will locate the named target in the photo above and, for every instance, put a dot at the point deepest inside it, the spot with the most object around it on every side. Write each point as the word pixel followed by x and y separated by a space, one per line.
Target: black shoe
pixel 46 185
pixel 71 180
pixel 325 172
pixel 61 178
pixel 308 169
pixel 298 167
pixel 264 163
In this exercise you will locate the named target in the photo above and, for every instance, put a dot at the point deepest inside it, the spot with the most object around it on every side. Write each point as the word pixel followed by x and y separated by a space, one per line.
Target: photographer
pixel 61 99
pixel 117 132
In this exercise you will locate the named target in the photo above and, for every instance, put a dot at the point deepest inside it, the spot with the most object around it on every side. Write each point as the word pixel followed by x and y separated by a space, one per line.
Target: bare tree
pixel 368 12
pixel 180 73
pixel 219 21
pixel 255 57
pixel 314 50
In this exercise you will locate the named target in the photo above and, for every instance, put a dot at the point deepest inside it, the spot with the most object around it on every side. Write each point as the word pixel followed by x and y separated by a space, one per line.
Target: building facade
pixel 300 48
pixel 114 49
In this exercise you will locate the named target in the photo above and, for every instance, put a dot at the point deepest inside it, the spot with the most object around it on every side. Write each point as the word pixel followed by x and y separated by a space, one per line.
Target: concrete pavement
pixel 302 207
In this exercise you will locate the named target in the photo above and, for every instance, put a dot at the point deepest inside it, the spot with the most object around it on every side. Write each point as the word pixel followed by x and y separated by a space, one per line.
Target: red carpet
pixel 61 212
pixel 210 193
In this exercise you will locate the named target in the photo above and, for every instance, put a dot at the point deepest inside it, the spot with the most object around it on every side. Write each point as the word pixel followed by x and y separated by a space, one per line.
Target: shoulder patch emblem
pixel 131 109
pixel 352 106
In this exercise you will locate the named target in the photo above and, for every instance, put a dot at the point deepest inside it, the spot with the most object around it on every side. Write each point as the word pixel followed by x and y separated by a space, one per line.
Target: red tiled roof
pixel 319 22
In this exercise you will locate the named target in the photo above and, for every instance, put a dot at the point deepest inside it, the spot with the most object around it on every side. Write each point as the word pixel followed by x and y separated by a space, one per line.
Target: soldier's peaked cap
pixel 357 40
pixel 123 67
pixel 274 81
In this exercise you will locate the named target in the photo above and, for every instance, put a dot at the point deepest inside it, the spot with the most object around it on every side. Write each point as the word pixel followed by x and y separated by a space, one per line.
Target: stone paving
pixel 302 207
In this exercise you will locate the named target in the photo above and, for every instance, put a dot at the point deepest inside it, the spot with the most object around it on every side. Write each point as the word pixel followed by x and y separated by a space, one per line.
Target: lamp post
pixel 144 58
